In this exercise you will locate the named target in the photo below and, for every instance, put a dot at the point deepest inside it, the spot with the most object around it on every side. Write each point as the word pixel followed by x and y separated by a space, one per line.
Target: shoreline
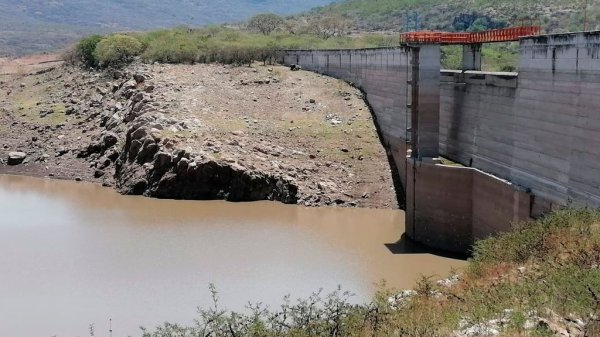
pixel 199 132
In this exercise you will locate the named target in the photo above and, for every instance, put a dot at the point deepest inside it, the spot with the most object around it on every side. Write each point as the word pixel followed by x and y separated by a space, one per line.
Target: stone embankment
pixel 197 132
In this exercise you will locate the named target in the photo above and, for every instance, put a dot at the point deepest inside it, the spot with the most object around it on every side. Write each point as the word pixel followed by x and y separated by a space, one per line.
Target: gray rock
pixel 109 139
pixel 139 78
pixel 104 162
pixel 183 164
pixel 112 155
pixel 61 151
pixel 162 161
pixel 155 134
pixel 70 110
pixel 16 158
pixel 138 97
pixel 99 174
pixel 134 148
pixel 139 133
pixel 117 74
pixel 147 152
pixel 131 84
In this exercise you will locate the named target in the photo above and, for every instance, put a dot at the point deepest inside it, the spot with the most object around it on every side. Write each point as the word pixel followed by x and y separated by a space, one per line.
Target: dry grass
pixel 27 102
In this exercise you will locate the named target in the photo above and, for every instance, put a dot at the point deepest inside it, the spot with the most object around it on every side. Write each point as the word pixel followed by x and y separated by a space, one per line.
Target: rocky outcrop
pixel 146 163
pixel 145 168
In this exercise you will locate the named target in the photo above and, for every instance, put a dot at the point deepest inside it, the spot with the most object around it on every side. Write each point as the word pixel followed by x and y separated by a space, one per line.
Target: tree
pixel 265 23
pixel 85 50
pixel 117 49
pixel 330 26
pixel 479 25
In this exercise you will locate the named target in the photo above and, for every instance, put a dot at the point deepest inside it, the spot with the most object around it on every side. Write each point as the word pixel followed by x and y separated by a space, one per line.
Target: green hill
pixel 459 15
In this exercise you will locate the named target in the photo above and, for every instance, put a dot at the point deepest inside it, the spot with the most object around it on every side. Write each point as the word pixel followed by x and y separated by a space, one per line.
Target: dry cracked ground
pixel 236 133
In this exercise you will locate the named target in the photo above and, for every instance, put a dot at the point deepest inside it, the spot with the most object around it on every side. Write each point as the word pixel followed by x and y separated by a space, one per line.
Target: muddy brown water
pixel 75 254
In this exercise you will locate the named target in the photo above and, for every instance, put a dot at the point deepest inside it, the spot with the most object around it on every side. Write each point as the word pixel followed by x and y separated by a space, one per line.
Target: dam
pixel 523 143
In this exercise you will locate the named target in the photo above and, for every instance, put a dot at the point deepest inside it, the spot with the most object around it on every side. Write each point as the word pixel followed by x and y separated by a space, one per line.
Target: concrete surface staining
pixel 539 129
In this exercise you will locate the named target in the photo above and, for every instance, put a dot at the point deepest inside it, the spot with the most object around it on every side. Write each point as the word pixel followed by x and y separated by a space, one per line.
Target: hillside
pixel 244 133
pixel 459 15
pixel 28 26
pixel 35 26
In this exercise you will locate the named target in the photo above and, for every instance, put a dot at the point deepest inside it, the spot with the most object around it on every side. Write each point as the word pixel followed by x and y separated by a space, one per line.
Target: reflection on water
pixel 72 254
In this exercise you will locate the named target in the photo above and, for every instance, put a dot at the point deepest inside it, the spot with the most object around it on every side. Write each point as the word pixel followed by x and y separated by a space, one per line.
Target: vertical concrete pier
pixel 425 104
pixel 471 56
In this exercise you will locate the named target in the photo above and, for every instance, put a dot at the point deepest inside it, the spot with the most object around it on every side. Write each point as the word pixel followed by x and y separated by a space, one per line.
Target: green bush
pixel 172 46
pixel 86 48
pixel 117 50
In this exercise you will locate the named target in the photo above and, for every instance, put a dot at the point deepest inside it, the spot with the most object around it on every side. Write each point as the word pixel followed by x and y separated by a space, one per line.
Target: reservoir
pixel 74 254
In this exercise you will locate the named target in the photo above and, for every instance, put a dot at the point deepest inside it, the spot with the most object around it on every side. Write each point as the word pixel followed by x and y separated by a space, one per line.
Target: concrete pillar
pixel 425 101
pixel 471 57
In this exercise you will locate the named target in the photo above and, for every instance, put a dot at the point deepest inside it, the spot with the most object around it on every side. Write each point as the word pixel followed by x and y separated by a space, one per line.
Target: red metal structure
pixel 496 35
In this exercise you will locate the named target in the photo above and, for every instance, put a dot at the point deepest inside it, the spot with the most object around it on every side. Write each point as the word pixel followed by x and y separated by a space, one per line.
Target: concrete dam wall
pixel 527 142
pixel 539 129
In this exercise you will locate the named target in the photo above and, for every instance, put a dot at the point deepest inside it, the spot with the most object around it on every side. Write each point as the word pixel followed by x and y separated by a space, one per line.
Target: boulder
pixel 162 161
pixel 183 164
pixel 118 74
pixel 139 78
pixel 147 152
pixel 156 134
pixel 138 97
pixel 16 158
pixel 108 140
pixel 99 174
pixel 139 133
pixel 134 149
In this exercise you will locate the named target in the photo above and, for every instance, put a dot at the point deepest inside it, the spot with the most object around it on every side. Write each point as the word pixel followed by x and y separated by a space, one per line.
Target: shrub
pixel 71 56
pixel 173 46
pixel 117 50
pixel 86 48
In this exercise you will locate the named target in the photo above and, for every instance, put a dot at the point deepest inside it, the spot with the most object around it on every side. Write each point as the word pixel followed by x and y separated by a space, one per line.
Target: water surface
pixel 72 254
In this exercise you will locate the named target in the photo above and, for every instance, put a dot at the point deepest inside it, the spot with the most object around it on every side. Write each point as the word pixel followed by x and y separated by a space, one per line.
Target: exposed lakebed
pixel 72 254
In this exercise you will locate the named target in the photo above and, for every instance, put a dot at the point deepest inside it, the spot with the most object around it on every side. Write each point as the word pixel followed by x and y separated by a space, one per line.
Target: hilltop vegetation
pixel 541 280
pixel 211 44
pixel 259 40
pixel 34 26
pixel 457 15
